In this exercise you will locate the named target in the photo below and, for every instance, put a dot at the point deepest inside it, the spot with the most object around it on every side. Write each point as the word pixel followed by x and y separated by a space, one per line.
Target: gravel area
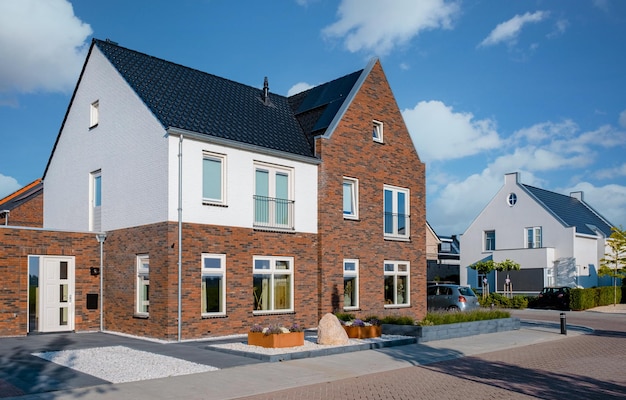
pixel 310 343
pixel 118 364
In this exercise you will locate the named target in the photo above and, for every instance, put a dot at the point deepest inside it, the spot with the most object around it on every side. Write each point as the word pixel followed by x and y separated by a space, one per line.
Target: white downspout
pixel 180 234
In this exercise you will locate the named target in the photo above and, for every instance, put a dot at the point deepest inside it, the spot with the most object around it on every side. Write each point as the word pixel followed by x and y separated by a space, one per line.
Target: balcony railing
pixel 273 213
pixel 397 225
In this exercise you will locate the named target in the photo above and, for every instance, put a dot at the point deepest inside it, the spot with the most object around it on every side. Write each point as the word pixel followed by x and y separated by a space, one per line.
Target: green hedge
pixel 498 300
pixel 584 299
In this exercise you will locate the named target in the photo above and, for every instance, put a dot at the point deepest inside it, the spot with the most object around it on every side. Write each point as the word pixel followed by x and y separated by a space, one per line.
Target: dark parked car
pixel 554 297
pixel 451 297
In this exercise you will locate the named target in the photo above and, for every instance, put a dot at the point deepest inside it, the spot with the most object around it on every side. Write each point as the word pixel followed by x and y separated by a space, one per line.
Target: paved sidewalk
pixel 257 378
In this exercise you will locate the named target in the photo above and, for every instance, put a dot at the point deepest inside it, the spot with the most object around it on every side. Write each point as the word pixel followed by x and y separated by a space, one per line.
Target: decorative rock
pixel 330 331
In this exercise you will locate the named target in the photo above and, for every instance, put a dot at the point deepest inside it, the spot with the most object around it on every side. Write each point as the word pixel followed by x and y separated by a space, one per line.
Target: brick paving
pixel 578 368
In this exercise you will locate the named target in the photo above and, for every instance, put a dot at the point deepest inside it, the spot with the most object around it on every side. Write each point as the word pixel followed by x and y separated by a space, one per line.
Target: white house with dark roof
pixel 557 239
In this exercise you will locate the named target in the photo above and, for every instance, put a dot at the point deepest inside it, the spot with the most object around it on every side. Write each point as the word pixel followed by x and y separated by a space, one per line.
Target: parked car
pixel 451 297
pixel 554 297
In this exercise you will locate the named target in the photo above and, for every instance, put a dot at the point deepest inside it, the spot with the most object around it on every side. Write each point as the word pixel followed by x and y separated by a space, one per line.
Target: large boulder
pixel 330 331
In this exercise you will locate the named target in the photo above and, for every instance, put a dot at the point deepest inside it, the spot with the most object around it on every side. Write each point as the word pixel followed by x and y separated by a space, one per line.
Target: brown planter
pixel 276 340
pixel 363 332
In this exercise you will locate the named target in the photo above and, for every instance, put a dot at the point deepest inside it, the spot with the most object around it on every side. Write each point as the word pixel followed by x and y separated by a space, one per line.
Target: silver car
pixel 451 297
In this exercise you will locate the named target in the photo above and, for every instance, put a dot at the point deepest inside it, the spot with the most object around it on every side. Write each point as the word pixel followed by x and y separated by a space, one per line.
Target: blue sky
pixel 485 87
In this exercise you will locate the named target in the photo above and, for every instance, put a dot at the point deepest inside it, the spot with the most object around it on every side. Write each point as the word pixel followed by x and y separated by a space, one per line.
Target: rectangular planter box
pixel 276 340
pixel 363 332
pixel 451 331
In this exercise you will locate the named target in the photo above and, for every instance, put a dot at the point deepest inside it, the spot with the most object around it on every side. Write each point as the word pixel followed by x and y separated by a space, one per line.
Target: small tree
pixel 508 265
pixel 614 262
pixel 484 267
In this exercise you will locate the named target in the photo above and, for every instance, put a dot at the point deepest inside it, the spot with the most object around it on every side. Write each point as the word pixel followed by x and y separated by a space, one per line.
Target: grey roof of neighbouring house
pixel 572 211
pixel 188 99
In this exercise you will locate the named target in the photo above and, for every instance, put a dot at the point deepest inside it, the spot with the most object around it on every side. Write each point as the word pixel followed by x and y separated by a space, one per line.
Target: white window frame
pixel 221 158
pixel 536 241
pixel 377 131
pixel 219 272
pixel 353 276
pixel 94 114
pixel 485 247
pixel 392 268
pixel 95 201
pixel 142 279
pixel 354 197
pixel 273 271
pixel 395 213
pixel 274 218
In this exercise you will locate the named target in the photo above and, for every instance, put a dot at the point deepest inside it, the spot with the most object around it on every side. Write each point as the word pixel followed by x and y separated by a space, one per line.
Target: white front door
pixel 57 294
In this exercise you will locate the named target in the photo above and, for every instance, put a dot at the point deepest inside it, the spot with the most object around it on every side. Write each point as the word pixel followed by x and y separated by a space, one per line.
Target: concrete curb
pixel 451 331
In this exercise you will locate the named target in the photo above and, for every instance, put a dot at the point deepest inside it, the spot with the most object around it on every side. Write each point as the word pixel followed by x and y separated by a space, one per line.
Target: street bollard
pixel 563 324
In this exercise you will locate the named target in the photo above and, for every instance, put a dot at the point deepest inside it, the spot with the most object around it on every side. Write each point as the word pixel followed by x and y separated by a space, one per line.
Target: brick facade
pixel 17 245
pixel 351 152
pixel 160 242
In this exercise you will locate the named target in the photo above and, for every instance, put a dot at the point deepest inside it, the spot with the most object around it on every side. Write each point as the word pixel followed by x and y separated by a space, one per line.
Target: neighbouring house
pixel 204 206
pixel 442 256
pixel 23 207
pixel 557 239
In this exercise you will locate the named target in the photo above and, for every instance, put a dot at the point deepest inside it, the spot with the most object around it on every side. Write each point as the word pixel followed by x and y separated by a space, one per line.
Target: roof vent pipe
pixel 266 92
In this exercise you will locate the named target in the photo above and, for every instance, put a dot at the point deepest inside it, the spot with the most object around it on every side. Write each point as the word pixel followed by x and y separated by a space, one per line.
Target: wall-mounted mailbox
pixel 92 301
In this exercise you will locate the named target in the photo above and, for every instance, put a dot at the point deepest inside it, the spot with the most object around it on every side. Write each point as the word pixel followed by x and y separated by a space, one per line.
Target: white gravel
pixel 118 364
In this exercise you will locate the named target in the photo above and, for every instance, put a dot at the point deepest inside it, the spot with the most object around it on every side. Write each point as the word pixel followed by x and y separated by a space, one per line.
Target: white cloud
pixel 439 133
pixel 298 88
pixel 379 26
pixel 611 173
pixel 622 119
pixel 42 45
pixel 508 31
pixel 8 185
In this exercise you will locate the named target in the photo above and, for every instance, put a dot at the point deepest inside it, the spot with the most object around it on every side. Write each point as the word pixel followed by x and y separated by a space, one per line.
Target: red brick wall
pixel 350 151
pixel 239 245
pixel 29 213
pixel 17 245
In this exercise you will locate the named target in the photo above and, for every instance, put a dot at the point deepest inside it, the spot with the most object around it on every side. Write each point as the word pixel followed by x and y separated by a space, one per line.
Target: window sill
pixel 273 312
pixel 357 308
pixel 141 316
pixel 351 218
pixel 214 316
pixel 398 238
pixel 211 204
pixel 397 305
pixel 93 126
pixel 275 230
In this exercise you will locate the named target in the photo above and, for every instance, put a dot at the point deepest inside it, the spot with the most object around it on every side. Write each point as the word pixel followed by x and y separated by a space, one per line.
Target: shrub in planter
pixel 275 336
pixel 361 329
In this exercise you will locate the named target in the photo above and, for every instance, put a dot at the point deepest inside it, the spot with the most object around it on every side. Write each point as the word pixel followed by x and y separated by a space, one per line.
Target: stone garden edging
pixel 450 331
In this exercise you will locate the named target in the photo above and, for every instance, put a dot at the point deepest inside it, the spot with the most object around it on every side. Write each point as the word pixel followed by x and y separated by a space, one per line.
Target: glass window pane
pixel 348 196
pixel 212 263
pixel 282 186
pixel 261 264
pixel 97 190
pixel 282 264
pixel 349 292
pixel 282 292
pixel 63 270
pixel 211 294
pixel 401 211
pixel 262 185
pixel 389 289
pixel 389 267
pixel 63 316
pixel 401 295
pixel 349 266
pixel 261 290
pixel 63 293
pixel 212 179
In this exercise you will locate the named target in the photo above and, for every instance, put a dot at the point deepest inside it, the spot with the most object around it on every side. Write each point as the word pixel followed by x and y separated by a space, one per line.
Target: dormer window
pixel 377 133
pixel 94 114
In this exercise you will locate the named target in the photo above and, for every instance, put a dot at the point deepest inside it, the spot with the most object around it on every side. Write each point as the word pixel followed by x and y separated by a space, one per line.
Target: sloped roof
pixel 21 196
pixel 571 211
pixel 185 98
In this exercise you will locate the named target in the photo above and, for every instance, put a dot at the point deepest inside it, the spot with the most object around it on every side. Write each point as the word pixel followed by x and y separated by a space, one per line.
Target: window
pixel 143 284
pixel 396 283
pixel 272 192
pixel 213 291
pixel 445 247
pixel 490 240
pixel 533 237
pixel 396 206
pixel 213 179
pixel 350 198
pixel 350 284
pixel 377 131
pixel 511 199
pixel 94 114
pixel 272 283
pixel 96 201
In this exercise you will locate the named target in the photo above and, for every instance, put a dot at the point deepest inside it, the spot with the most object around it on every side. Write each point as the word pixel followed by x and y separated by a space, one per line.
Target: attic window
pixel 94 114
pixel 511 199
pixel 377 131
